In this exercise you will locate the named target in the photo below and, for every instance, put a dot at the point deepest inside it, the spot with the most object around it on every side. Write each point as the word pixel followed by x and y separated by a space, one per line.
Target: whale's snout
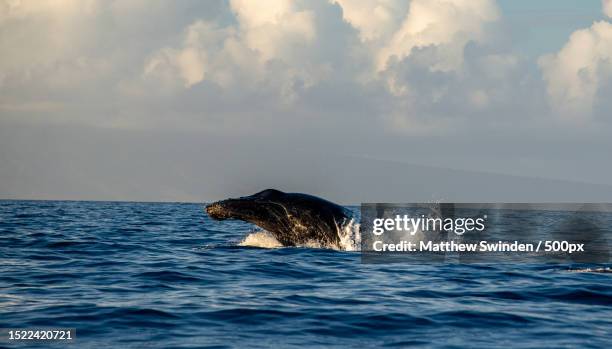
pixel 244 208
pixel 217 211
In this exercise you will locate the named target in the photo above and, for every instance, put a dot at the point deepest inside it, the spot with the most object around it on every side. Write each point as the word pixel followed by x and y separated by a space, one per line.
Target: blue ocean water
pixel 163 275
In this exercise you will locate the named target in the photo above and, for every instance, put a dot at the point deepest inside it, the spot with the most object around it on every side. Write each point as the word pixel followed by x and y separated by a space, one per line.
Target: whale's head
pixel 259 208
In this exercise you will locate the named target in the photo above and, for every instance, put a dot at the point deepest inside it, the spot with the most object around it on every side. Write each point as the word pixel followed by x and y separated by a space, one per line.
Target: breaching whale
pixel 293 218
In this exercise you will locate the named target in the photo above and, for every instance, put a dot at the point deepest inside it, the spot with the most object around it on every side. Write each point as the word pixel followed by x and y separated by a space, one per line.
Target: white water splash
pixel 261 239
pixel 348 233
pixel 350 237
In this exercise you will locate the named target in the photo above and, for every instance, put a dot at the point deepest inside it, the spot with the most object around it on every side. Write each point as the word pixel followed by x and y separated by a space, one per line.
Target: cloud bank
pixel 417 59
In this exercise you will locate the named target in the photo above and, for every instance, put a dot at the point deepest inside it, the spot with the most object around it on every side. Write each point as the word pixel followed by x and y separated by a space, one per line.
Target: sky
pixel 356 101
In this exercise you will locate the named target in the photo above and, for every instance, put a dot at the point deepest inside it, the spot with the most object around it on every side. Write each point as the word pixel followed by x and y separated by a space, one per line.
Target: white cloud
pixel 374 20
pixel 450 24
pixel 607 7
pixel 391 30
pixel 190 63
pixel 417 50
pixel 575 74
pixel 274 28
pixel 272 47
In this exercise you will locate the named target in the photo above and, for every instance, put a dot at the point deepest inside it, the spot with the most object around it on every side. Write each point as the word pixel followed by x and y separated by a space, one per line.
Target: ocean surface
pixel 163 275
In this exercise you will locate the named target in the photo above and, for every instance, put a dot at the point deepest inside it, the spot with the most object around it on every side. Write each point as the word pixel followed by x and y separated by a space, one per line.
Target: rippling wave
pixel 162 275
